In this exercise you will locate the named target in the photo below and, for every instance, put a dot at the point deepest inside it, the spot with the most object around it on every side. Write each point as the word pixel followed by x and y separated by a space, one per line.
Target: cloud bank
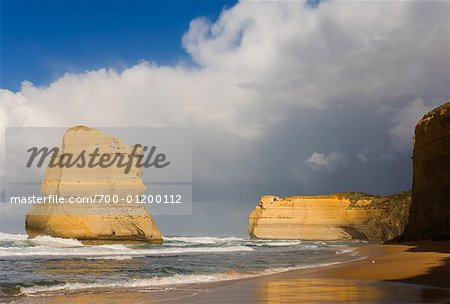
pixel 270 85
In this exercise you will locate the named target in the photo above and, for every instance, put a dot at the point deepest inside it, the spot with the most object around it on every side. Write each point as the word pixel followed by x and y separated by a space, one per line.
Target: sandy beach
pixel 407 273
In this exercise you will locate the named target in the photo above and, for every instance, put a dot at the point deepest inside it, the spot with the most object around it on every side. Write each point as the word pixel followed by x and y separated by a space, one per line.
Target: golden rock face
pixel 430 208
pixel 96 222
pixel 341 216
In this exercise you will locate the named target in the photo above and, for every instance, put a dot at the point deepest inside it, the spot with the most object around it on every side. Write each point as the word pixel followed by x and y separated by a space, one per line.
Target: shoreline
pixel 425 263
pixel 407 272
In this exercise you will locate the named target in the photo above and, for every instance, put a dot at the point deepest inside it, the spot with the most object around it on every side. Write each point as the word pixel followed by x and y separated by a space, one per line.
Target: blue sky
pixel 41 40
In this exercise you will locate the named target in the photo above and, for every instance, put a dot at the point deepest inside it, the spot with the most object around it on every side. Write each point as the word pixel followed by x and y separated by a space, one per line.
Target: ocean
pixel 47 266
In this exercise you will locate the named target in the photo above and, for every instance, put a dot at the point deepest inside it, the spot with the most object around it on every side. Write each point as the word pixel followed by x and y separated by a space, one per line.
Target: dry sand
pixel 406 273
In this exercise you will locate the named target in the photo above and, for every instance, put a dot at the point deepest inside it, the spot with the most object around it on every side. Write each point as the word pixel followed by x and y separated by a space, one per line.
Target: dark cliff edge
pixel 429 215
pixel 393 222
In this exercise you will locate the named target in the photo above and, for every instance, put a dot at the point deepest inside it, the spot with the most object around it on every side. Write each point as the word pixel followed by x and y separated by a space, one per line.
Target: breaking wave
pixel 180 260
pixel 19 245
pixel 158 282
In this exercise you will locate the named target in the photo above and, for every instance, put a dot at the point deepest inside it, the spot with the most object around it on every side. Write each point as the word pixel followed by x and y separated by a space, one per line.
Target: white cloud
pixel 255 60
pixel 322 161
pixel 256 65
pixel 318 160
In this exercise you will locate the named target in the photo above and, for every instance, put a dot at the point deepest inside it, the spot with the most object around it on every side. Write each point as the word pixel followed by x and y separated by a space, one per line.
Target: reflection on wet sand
pixel 268 290
pixel 318 290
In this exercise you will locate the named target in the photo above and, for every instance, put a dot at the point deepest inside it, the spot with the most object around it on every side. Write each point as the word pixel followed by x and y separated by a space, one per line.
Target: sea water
pixel 46 265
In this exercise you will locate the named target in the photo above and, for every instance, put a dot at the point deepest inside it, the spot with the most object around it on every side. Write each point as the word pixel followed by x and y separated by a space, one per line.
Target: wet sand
pixel 423 263
pixel 405 273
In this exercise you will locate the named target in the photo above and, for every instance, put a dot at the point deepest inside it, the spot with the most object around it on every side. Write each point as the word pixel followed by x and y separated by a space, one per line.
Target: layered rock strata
pixel 98 221
pixel 341 216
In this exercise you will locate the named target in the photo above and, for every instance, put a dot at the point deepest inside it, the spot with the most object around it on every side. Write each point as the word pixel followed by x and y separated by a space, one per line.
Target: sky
pixel 42 40
pixel 283 98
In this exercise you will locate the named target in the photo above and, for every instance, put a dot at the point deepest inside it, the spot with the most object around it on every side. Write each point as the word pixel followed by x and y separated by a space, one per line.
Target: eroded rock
pixel 341 216
pixel 97 222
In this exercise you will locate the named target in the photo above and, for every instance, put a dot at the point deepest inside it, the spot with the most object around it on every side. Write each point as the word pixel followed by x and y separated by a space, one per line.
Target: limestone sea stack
pixel 97 222
pixel 429 216
pixel 334 217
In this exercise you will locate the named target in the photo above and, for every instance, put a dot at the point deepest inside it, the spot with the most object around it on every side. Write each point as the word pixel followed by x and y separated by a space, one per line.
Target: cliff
pixel 341 216
pixel 97 221
pixel 430 208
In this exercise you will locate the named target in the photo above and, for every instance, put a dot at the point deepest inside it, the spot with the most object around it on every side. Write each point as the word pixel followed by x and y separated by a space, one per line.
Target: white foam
pixel 300 267
pixel 280 243
pixel 284 243
pixel 138 283
pixel 115 257
pixel 54 246
pixel 202 239
pixel 56 242
pixel 22 240
pixel 12 237
pixel 345 251
pixel 177 279
pixel 111 250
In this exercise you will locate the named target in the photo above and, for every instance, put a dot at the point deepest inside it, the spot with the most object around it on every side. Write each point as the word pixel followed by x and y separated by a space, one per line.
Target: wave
pixel 18 245
pixel 202 239
pixel 277 243
pixel 346 251
pixel 21 240
pixel 12 237
pixel 157 282
pixel 208 240
pixel 177 279
pixel 108 250
pixel 50 241
pixel 300 267
pixel 115 257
